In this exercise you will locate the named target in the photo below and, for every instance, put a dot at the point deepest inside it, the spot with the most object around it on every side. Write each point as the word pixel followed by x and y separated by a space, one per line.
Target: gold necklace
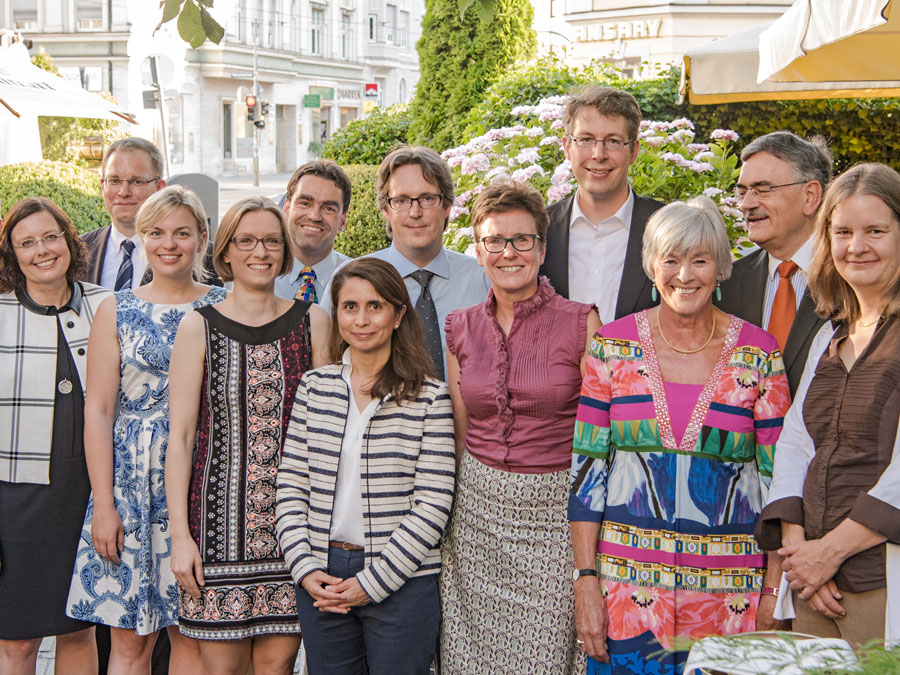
pixel 869 324
pixel 687 351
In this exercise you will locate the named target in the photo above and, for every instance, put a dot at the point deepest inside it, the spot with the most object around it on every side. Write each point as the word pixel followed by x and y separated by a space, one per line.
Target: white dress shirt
pixel 597 257
pixel 347 511
pixel 113 259
pixel 799 279
pixel 286 286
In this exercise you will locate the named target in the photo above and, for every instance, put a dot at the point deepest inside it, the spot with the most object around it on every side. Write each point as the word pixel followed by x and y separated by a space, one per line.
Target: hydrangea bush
pixel 671 165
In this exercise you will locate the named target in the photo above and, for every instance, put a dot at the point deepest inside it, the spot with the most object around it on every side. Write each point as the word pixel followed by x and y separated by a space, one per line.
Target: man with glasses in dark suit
pixel 594 239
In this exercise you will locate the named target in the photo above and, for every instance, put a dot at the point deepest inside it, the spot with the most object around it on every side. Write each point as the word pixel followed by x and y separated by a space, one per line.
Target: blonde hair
pixel 681 227
pixel 834 297
pixel 229 225
pixel 163 203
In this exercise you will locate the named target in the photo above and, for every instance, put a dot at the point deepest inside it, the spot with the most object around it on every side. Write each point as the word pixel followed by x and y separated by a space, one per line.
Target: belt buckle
pixel 346 546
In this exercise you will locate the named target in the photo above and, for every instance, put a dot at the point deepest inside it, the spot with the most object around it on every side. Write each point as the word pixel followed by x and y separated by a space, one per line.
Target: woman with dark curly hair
pixel 45 317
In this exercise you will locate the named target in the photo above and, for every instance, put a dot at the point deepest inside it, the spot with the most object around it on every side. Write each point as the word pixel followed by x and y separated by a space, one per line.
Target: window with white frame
pixel 404 29
pixel 318 22
pixel 346 35
pixel 24 15
pixel 373 27
pixel 391 36
pixel 89 14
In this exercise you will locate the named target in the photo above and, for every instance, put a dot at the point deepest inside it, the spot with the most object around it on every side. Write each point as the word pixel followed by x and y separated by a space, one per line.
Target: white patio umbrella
pixel 27 92
pixel 833 40
pixel 728 70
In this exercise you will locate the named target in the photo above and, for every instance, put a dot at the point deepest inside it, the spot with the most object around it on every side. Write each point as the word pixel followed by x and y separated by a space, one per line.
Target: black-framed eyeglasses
pixel 132 182
pixel 521 242
pixel 762 189
pixel 247 242
pixel 611 144
pixel 405 203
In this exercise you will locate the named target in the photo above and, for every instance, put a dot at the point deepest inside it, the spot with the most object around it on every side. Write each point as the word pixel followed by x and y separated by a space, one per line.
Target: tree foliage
pixel 461 53
pixel 365 225
pixel 368 139
pixel 194 22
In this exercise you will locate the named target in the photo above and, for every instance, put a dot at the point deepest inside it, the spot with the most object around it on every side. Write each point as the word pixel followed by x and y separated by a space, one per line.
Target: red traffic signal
pixel 250 101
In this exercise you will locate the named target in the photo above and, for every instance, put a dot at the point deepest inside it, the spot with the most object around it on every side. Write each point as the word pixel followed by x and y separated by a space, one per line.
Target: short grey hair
pixel 811 159
pixel 681 227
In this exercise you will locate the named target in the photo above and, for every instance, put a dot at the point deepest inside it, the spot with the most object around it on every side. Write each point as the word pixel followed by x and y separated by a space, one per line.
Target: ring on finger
pixel 579 642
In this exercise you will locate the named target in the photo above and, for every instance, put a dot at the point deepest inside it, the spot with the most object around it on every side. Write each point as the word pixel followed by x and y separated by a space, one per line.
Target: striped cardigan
pixel 407 467
pixel 28 343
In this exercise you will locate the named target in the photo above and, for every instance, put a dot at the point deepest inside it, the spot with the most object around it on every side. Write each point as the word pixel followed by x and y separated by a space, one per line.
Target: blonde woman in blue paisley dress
pixel 122 576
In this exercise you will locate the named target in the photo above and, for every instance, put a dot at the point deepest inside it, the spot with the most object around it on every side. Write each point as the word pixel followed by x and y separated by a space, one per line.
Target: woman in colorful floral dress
pixel 122 577
pixel 680 409
pixel 236 367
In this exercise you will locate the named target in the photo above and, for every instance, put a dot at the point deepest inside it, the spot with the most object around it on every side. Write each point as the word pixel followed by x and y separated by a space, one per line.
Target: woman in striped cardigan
pixel 366 484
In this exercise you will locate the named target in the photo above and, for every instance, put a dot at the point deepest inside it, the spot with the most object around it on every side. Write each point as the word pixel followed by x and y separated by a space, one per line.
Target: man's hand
pixel 765 619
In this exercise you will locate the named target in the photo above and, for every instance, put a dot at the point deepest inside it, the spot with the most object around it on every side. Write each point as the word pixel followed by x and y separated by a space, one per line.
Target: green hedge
pixel 365 225
pixel 367 140
pixel 74 189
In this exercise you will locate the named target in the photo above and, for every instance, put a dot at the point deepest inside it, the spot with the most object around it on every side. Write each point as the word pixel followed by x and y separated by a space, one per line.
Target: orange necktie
pixel 785 305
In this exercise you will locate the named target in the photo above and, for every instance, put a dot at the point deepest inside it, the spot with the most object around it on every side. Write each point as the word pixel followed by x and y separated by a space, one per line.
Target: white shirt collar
pixel 803 257
pixel 621 218
pixel 439 265
pixel 116 238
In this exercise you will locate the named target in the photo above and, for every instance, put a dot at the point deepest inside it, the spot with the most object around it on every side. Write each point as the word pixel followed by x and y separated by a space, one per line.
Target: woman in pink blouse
pixel 514 369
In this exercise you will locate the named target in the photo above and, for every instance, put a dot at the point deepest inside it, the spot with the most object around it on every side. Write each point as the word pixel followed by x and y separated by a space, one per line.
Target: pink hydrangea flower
pixel 724 135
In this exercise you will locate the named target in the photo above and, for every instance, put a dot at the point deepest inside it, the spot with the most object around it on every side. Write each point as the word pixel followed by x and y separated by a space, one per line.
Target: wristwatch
pixel 576 574
pixel 768 590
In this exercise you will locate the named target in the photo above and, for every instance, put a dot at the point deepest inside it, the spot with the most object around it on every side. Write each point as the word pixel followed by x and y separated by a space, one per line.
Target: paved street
pixel 234 188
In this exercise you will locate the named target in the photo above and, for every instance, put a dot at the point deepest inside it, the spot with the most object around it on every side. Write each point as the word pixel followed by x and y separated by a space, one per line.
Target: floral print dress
pixel 677 485
pixel 140 592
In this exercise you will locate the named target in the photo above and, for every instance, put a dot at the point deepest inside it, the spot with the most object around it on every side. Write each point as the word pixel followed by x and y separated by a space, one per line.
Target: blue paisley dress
pixel 140 593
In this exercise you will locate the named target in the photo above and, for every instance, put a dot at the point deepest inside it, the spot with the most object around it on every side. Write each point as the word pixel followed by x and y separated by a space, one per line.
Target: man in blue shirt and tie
pixel 315 206
pixel 415 193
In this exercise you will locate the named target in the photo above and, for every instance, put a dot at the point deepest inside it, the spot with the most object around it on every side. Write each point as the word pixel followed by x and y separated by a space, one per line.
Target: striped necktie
pixel 123 277
pixel 307 288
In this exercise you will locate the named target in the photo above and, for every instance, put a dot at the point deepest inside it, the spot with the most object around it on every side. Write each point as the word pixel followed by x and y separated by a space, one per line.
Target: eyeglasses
pixel 247 242
pixel 132 182
pixel 762 190
pixel 405 203
pixel 521 242
pixel 611 144
pixel 48 239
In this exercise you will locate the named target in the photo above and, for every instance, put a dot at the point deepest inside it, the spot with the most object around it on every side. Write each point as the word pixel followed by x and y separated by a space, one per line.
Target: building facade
pixel 317 63
pixel 640 36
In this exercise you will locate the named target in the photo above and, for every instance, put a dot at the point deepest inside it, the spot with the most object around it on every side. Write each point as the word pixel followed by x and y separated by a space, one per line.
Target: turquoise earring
pixel 718 292
pixel 654 296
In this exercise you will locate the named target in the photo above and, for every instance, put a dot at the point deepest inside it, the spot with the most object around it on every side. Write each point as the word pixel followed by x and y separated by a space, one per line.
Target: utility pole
pixel 162 113
pixel 256 93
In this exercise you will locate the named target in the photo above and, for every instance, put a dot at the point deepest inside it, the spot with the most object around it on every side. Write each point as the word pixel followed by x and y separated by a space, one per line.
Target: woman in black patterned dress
pixel 235 368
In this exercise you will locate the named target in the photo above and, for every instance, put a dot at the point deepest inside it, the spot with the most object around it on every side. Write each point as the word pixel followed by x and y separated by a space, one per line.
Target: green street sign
pixel 312 101
pixel 327 93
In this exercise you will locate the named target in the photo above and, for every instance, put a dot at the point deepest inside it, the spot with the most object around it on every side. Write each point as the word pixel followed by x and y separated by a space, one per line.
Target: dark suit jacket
pixel 744 295
pixel 96 241
pixel 634 291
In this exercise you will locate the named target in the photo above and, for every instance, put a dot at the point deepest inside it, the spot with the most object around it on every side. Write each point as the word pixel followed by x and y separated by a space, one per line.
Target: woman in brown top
pixel 835 497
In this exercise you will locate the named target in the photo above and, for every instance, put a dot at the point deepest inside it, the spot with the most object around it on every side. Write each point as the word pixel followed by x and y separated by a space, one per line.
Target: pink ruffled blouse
pixel 521 390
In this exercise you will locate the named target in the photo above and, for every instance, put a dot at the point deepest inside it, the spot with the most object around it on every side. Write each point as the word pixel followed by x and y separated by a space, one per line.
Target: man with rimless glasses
pixel 415 193
pixel 132 170
pixel 782 180
pixel 594 239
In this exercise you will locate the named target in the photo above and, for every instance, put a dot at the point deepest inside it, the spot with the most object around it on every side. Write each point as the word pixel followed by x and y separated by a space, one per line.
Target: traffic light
pixel 265 108
pixel 250 101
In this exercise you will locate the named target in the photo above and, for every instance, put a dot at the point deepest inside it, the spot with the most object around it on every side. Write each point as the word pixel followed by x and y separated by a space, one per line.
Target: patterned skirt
pixel 506 583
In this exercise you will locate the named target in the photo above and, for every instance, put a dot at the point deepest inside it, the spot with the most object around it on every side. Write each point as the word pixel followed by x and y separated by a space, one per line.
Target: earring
pixel 654 296
pixel 718 292
pixel 397 326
